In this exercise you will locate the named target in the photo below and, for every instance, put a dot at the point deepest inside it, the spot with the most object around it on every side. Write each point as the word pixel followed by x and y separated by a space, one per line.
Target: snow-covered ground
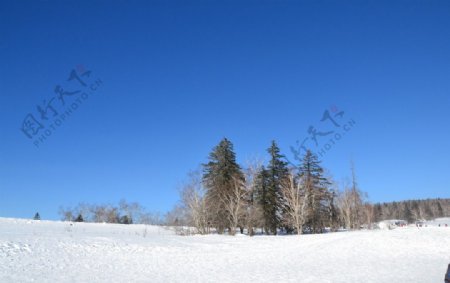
pixel 45 251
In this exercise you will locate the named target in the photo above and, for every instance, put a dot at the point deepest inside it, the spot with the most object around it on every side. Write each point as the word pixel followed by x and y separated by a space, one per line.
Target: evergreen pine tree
pixel 262 197
pixel 277 173
pixel 220 176
pixel 125 220
pixel 79 218
pixel 37 216
pixel 316 184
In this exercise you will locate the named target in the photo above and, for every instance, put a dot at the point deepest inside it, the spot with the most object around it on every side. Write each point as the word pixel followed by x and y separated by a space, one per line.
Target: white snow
pixel 46 251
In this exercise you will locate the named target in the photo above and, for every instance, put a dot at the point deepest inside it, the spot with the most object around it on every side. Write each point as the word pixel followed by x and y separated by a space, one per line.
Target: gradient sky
pixel 177 77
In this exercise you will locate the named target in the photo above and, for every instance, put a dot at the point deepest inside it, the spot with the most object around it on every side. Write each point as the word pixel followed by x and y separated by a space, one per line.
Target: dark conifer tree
pixel 220 176
pixel 79 218
pixel 277 172
pixel 125 220
pixel 316 185
pixel 262 197
pixel 37 216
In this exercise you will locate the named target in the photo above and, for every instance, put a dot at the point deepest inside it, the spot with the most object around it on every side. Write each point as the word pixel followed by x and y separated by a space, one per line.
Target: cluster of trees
pixel 123 213
pixel 272 198
pixel 412 210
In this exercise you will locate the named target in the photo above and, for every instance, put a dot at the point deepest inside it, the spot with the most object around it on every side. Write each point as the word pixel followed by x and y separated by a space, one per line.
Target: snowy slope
pixel 44 251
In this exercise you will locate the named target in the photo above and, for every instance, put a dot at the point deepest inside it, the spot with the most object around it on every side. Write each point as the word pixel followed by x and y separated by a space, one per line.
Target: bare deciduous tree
pixel 351 205
pixel 234 204
pixel 296 197
pixel 193 199
pixel 150 218
pixel 66 214
pixel 369 214
pixel 175 217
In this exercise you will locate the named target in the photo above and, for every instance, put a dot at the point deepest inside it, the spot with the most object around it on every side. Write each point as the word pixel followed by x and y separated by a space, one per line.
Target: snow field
pixel 50 251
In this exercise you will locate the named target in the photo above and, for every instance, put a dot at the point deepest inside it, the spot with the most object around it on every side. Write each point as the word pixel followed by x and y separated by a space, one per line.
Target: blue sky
pixel 179 76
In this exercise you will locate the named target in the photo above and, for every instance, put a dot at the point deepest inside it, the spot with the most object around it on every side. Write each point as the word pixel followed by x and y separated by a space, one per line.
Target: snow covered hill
pixel 46 251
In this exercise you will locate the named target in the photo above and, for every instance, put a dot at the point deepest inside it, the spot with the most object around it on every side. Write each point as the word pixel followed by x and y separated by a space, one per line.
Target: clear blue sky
pixel 179 76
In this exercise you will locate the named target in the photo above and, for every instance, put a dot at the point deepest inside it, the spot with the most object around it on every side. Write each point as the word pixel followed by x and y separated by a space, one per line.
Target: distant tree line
pixel 123 213
pixel 412 210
